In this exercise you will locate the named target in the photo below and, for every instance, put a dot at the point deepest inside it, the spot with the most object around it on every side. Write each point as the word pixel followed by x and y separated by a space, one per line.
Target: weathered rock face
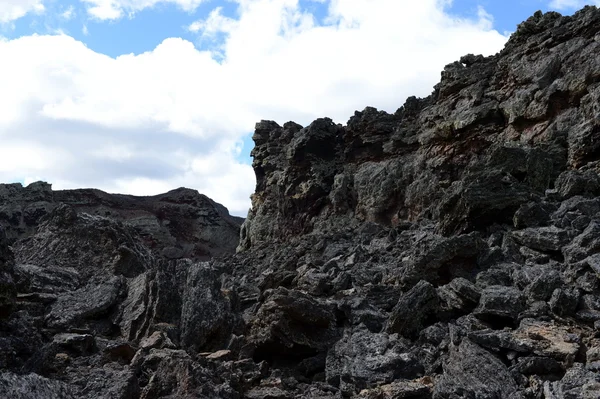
pixel 447 251
pixel 457 237
pixel 179 224
pixel 495 134
pixel 91 277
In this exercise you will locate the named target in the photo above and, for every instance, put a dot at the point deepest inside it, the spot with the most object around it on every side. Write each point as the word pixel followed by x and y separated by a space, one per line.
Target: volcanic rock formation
pixel 449 250
pixel 179 224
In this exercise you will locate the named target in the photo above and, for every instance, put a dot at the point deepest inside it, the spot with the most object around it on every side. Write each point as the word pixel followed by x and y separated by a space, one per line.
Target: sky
pixel 144 96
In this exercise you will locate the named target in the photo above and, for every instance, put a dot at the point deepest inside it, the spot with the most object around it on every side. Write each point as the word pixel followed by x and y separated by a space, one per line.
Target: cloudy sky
pixel 143 96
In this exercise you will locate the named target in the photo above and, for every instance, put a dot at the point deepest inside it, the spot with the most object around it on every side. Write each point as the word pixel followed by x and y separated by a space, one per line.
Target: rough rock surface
pixel 448 250
pixel 179 224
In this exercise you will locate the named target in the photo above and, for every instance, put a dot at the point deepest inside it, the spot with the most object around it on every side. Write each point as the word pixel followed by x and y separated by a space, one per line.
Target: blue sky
pixel 141 96
pixel 145 29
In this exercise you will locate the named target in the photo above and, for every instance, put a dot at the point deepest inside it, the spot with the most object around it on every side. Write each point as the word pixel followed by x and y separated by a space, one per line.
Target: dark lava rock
pixel 206 317
pixel 32 386
pixel 474 372
pixel 574 182
pixel 577 383
pixel 444 259
pixel 179 224
pixel 498 303
pixel 88 302
pixel 292 323
pixel 533 214
pixel 362 359
pixel 564 301
pixel 8 291
pixel 90 245
pixel 542 238
pixel 413 309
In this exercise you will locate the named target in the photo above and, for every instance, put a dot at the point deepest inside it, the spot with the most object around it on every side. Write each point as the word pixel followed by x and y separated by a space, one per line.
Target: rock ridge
pixel 179 224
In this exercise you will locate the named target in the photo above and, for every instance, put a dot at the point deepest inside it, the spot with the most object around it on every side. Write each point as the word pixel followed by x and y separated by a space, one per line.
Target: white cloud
pixel 68 13
pixel 11 10
pixel 566 5
pixel 174 116
pixel 215 23
pixel 115 9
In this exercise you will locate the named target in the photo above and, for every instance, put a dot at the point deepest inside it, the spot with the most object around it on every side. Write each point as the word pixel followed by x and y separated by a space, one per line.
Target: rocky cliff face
pixel 495 134
pixel 450 250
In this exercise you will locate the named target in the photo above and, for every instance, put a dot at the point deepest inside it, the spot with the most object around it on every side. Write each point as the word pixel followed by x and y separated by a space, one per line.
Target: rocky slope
pixel 179 224
pixel 450 250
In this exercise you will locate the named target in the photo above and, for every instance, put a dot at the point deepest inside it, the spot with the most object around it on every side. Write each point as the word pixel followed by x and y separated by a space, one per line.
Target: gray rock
pixel 578 383
pixel 418 389
pixel 31 386
pixel 500 304
pixel 564 301
pixel 585 244
pixel 538 365
pixel 533 214
pixel 267 393
pixel 594 262
pixel 275 327
pixel 8 290
pixel 135 313
pixel 65 240
pixel 542 238
pixel 206 317
pixel 200 227
pixel 50 279
pixel 460 295
pixel 413 309
pixel 79 343
pixel 575 207
pixel 574 182
pixel 443 258
pixel 362 359
pixel 496 275
pixel 473 372
pixel 543 285
pixel 108 382
pixel 532 337
pixel 361 311
pixel 90 301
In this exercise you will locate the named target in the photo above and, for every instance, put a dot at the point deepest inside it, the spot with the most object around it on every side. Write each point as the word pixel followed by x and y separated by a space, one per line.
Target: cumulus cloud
pixel 176 115
pixel 569 5
pixel 115 9
pixel 11 10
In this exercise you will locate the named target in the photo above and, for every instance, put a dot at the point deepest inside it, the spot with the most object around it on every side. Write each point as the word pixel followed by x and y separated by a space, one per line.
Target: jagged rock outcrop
pixel 449 250
pixel 495 134
pixel 471 213
pixel 91 277
pixel 179 224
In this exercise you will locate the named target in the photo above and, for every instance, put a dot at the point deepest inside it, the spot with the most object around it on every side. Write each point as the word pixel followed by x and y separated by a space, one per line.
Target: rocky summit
pixel 449 250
